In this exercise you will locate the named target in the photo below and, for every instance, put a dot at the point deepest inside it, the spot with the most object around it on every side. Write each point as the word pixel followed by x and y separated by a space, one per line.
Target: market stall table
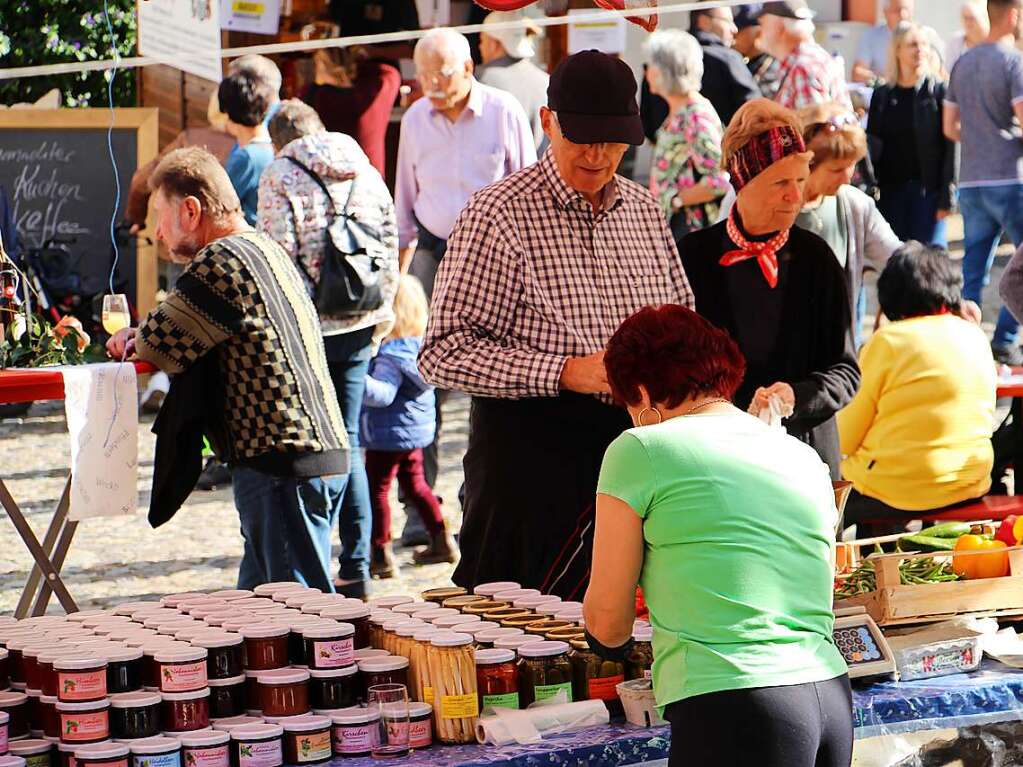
pixel 36 385
pixel 1012 386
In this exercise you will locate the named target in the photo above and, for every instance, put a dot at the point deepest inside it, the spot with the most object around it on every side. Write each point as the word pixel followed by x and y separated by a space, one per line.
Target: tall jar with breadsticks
pixel 452 678
pixel 418 670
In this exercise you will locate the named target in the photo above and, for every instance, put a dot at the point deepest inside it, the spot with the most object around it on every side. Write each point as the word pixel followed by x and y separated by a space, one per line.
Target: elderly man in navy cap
pixel 540 270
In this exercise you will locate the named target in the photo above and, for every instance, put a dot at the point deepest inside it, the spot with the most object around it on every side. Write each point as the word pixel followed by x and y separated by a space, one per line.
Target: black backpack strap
pixel 323 186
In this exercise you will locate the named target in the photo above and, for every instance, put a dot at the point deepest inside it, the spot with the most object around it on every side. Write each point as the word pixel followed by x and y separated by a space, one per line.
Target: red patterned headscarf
pixel 762 151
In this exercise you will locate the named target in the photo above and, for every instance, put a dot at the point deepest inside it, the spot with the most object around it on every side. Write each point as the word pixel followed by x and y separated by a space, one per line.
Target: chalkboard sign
pixel 56 170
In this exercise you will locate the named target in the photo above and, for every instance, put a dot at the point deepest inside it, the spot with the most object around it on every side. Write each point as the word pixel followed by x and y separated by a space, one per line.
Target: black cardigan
pixel 814 350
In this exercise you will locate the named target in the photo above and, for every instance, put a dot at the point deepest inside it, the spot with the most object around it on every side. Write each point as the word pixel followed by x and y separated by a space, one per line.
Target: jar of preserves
pixel 420 725
pixel 182 670
pixel 484 607
pixel 102 755
pixel 124 669
pixel 594 678
pixel 185 711
pixel 329 645
pixel 453 686
pixel 544 672
pixel 252 690
pixel 5 731
pixel 65 755
pixel 497 679
pixel 355 731
pixel 334 688
pixel 639 660
pixel 460 603
pixel 266 646
pixel 35 751
pixel 486 638
pixel 135 715
pixel 257 745
pixel 284 692
pixel 296 644
pixel 390 670
pixel 489 589
pixel 224 654
pixel 227 697
pixel 439 595
pixel 545 625
pixel 51 722
pixel 15 705
pixel 206 749
pixel 307 740
pixel 84 722
pixel 355 615
pixel 5 669
pixel 155 752
pixel 35 713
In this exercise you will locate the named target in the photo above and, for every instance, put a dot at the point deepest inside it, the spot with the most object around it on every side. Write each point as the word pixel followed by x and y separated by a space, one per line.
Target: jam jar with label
pixel 185 711
pixel 257 745
pixel 35 752
pixel 420 725
pixel 155 752
pixel 84 722
pixel 80 678
pixel 497 679
pixel 639 660
pixel 182 670
pixel 334 688
pixel 135 715
pixel 356 615
pixel 329 645
pixel 284 692
pixel 356 731
pixel 15 705
pixel 307 740
pixel 206 749
pixel 102 755
pixel 544 672
pixel 266 646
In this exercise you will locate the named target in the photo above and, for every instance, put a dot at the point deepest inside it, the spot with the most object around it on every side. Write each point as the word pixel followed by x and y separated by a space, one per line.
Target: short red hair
pixel 675 354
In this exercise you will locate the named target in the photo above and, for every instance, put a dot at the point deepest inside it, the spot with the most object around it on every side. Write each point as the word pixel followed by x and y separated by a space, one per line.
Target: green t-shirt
pixel 738 521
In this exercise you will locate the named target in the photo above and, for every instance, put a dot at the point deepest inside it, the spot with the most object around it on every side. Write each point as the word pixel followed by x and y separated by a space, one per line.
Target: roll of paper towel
pixel 532 724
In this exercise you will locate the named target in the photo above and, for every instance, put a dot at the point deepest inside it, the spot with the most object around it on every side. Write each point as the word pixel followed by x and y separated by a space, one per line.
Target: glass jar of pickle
pixel 545 625
pixel 481 608
pixel 639 660
pixel 439 595
pixel 497 679
pixel 544 672
pixel 594 678
pixel 460 603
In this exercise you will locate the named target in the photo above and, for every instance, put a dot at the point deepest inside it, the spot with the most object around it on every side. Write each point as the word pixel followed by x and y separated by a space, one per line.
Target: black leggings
pixel 803 725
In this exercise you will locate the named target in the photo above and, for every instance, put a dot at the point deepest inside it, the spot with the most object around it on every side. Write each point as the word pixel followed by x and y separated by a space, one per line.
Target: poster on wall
pixel 261 17
pixel 605 35
pixel 184 34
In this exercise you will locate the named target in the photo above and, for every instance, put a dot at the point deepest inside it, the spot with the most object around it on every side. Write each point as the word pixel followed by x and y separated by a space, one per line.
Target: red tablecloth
pixel 38 384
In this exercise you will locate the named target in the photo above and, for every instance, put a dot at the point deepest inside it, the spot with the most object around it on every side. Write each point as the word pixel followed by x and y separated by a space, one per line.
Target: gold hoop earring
pixel 639 418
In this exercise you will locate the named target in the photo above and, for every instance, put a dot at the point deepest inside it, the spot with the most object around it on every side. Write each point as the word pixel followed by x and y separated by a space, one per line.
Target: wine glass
pixel 115 312
pixel 391 700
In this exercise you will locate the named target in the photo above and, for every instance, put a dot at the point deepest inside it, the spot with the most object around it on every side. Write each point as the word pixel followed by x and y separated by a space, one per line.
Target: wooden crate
pixel 894 604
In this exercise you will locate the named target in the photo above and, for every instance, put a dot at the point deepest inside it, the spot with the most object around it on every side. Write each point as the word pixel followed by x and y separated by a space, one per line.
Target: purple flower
pixel 76 45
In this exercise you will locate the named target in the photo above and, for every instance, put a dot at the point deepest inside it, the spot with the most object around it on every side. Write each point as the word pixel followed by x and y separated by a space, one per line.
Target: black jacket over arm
pixel 814 351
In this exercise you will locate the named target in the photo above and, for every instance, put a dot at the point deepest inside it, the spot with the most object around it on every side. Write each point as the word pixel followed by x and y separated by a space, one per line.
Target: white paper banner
pixel 103 423
pixel 605 35
pixel 182 33
pixel 262 17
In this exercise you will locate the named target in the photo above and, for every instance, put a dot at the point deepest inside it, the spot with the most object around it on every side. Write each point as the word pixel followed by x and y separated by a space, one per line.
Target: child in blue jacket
pixel 398 420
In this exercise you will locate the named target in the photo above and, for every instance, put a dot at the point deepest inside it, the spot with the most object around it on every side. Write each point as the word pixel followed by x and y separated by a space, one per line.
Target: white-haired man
pixel 806 74
pixel 871 62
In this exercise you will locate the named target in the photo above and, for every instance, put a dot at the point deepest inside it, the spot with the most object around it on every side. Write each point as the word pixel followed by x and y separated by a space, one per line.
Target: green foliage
pixel 34 32
pixel 40 346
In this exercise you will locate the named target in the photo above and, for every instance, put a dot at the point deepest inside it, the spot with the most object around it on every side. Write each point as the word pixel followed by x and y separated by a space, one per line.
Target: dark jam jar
pixel 5 668
pixel 333 688
pixel 206 749
pixel 544 672
pixel 51 722
pixel 307 740
pixel 185 711
pixel 640 658
pixel 15 705
pixel 356 615
pixel 594 678
pixel 266 646
pixel 134 715
pixel 390 670
pixel 329 645
pixel 124 670
pixel 497 679
pixel 227 697
pixel 224 659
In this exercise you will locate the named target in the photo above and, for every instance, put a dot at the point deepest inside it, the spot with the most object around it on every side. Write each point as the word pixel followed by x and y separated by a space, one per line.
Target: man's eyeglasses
pixel 442 75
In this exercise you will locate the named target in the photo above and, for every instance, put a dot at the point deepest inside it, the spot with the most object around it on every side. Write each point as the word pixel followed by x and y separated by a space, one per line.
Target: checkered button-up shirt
pixel 809 75
pixel 532 277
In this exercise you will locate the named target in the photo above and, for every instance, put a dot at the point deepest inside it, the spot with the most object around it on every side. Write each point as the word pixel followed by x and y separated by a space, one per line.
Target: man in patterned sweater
pixel 242 298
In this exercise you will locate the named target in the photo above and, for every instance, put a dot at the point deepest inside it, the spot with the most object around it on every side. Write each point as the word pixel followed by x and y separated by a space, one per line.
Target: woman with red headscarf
pixel 777 289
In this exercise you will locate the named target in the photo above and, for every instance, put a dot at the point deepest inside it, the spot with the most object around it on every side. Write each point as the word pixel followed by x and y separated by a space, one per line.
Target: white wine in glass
pixel 115 312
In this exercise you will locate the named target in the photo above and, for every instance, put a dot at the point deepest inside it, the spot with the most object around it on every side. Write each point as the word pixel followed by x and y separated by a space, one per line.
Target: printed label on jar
pixel 506 700
pixel 81 685
pixel 118 763
pixel 459 706
pixel 76 728
pixel 546 691
pixel 157 760
pixel 39 760
pixel 428 695
pixel 3 738
pixel 183 677
pixel 420 734
pixel 605 688
pixel 334 654
pixel 266 754
pixel 355 738
pixel 216 756
pixel 313 747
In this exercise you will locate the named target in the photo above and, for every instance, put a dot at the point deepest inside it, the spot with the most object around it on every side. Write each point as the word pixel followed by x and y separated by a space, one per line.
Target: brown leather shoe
pixel 442 548
pixel 383 564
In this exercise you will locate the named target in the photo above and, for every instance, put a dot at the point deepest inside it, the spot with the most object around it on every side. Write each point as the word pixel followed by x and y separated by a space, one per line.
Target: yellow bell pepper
pixel 971 567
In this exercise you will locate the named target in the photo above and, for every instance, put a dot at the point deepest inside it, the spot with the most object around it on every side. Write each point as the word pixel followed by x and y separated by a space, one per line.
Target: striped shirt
pixel 532 277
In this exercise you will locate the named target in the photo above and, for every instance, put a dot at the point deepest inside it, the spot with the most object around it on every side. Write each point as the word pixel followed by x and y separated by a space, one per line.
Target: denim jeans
pixel 912 213
pixel 987 212
pixel 348 357
pixel 286 523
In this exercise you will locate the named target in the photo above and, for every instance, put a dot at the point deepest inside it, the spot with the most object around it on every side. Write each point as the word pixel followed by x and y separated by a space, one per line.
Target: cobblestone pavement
pixel 120 558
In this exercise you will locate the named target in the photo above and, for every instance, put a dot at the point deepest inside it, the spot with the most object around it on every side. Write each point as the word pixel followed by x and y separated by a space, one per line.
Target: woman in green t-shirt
pixel 727 524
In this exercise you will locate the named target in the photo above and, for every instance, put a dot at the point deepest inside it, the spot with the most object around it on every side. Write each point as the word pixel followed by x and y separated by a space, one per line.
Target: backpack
pixel 352 263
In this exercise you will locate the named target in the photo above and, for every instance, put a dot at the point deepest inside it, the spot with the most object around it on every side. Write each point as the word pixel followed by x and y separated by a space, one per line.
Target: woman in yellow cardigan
pixel 917 435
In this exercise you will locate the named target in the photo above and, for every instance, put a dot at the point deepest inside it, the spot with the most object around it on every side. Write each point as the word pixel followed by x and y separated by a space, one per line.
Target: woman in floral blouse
pixel 686 178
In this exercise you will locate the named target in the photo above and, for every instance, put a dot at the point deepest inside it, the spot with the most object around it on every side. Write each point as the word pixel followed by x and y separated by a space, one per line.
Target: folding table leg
pixel 32 543
pixel 59 555
pixel 49 541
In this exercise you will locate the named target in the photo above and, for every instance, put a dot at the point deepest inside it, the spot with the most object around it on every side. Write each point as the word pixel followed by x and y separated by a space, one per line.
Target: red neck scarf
pixel 766 253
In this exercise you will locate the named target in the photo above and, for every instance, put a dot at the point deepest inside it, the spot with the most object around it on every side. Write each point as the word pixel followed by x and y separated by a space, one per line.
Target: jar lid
pixel 49 700
pixel 450 639
pixel 191 695
pixel 213 640
pixel 514 643
pixel 34 693
pixel 370 652
pixel 29 746
pixel 570 614
pixel 387 602
pixel 380 617
pixel 444 592
pixel 250 603
pixel 411 628
pixel 402 620
pixel 158 644
pixel 52 654
pixel 438 612
pixel 173 600
pixel 257 731
pixel 97 620
pixel 228 723
pixel 122 654
pixel 134 699
pixel 207 738
pixel 643 633
pixel 490 657
pixel 426 633
pixel 355 715
pixel 300 598
pixel 19 643
pixel 203 600
pixel 447 621
pixel 475 628
pixel 265 589
pixel 548 609
pixel 410 608
pixel 232 594
pixel 106 750
pixel 81 615
pixel 376 665
pixel 532 602
pixel 306 723
pixel 41 645
pixel 344 612
pixel 494 634
pixel 327 630
pixel 283 676
pixel 417 709
pixel 242 621
pixel 200 613
pixel 127 608
pixel 330 673
pixel 92 705
pixel 264 631
pixel 154 611
pixel 158 744
pixel 233 680
pixel 511 595
pixel 543 649
pixel 9 699
pixel 489 589
pixel 181 656
pixel 313 606
pixel 140 638
pixel 159 621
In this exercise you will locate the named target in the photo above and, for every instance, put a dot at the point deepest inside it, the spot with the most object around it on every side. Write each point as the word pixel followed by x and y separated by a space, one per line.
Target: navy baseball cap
pixel 594 95
pixel 747 15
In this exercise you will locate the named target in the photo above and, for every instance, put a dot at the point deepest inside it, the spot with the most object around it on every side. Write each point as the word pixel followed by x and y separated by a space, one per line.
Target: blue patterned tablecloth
pixel 992 693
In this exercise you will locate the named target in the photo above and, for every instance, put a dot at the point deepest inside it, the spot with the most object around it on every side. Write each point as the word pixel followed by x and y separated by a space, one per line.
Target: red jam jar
pixel 185 711
pixel 135 715
pixel 15 704
pixel 356 615
pixel 66 755
pixel 182 670
pixel 5 669
pixel 224 654
pixel 51 722
pixel 35 713
pixel 284 692
pixel 102 755
pixel 257 745
pixel 30 659
pixel 497 679
pixel 206 749
pixel 84 722
pixel 15 645
pixel 307 740
pixel 150 668
pixel 420 725
pixel 329 645
pixel 266 646
pixel 80 678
